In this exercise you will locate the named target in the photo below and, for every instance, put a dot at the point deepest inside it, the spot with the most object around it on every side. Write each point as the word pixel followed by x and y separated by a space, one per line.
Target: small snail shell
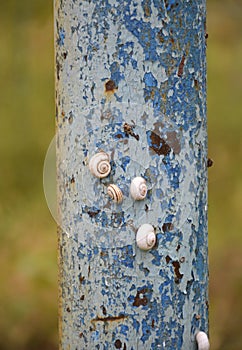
pixel 146 237
pixel 99 165
pixel 202 341
pixel 115 193
pixel 138 188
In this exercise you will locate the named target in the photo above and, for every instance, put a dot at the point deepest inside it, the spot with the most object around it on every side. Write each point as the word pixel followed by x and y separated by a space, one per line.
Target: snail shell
pixel 138 188
pixel 146 237
pixel 115 193
pixel 202 341
pixel 99 165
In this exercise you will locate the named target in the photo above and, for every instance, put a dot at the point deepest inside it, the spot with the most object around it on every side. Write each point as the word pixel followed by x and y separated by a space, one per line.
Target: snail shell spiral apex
pixel 202 341
pixel 99 165
pixel 138 188
pixel 146 237
pixel 115 193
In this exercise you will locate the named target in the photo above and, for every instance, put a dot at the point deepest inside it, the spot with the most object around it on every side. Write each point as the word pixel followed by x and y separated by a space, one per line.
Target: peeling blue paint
pixel 154 54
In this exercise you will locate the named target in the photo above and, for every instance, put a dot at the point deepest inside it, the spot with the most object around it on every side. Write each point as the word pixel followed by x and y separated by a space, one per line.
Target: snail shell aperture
pixel 138 188
pixel 202 341
pixel 146 237
pixel 99 165
pixel 115 193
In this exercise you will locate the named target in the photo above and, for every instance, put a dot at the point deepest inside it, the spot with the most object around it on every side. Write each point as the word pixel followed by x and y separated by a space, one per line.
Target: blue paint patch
pixel 61 37
pixel 81 251
pixel 150 80
pixel 157 257
pixel 145 330
pixel 170 4
pixel 136 324
pixel 143 31
pixel 127 256
pixel 124 329
pixel 173 171
pixel 125 162
pixel 116 75
pixel 89 254
pixel 165 300
pixel 95 335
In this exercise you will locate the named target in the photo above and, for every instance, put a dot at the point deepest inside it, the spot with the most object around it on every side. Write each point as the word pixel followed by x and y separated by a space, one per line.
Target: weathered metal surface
pixel 131 81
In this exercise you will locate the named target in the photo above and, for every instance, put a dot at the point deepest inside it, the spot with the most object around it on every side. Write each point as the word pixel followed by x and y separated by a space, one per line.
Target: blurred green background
pixel 28 275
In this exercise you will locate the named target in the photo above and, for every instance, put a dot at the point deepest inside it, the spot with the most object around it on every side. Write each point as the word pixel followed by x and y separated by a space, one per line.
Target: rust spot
pixel 209 162
pixel 93 213
pixel 206 35
pixel 173 141
pixel 147 9
pixel 178 247
pixel 141 298
pixel 172 6
pixel 160 36
pixel 159 145
pixel 65 54
pixel 103 253
pixel 178 275
pixel 167 226
pixel 81 279
pixel 198 317
pixel 81 335
pixel 70 119
pixel 196 84
pixel 104 310
pixel 110 86
pixel 72 180
pixel 68 309
pixel 82 297
pixel 118 344
pixel 129 130
pixel 181 66
pixel 58 68
pixel 153 323
pixel 119 136
pixel 168 259
pixel 109 318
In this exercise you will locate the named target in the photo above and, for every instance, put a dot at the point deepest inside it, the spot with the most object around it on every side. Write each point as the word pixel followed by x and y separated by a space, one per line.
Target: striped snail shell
pixel 202 341
pixel 99 165
pixel 138 188
pixel 146 237
pixel 115 193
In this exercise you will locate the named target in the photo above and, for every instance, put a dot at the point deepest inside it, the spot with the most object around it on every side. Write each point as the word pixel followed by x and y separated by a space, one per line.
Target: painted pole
pixel 131 82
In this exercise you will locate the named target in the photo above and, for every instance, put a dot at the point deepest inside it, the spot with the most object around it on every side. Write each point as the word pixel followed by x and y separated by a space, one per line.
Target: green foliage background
pixel 28 275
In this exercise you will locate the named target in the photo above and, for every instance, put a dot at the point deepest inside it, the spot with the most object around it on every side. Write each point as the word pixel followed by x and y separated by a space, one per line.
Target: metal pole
pixel 131 83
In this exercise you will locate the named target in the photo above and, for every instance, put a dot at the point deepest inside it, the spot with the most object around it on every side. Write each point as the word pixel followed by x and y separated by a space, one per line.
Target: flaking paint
pixel 152 55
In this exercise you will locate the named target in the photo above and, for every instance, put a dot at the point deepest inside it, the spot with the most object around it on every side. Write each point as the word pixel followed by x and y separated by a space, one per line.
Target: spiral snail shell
pixel 138 188
pixel 99 165
pixel 115 193
pixel 202 341
pixel 146 237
